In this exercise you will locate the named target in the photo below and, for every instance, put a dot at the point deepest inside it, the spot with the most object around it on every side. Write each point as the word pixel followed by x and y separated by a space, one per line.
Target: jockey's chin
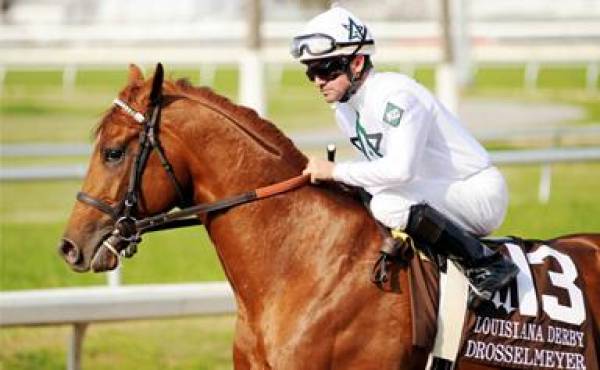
pixel 332 94
pixel 333 90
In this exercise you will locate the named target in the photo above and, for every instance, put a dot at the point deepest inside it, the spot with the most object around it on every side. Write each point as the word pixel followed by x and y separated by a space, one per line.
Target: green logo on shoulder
pixel 392 115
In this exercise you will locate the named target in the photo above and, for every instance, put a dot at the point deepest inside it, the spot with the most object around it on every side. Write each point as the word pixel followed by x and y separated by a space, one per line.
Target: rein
pixel 126 227
pixel 158 221
pixel 187 217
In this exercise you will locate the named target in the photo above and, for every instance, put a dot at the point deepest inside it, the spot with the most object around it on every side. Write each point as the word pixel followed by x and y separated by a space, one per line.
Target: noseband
pixel 126 227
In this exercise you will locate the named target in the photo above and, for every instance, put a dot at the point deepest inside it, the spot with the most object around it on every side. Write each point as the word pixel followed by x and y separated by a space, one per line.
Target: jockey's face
pixel 329 75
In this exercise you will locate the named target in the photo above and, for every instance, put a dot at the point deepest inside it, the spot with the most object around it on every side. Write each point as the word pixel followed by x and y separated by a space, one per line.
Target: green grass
pixel 425 76
pixel 550 78
pixel 175 344
pixel 289 102
pixel 7 162
pixel 554 77
pixel 34 216
pixel 499 78
pixel 573 205
pixel 33 78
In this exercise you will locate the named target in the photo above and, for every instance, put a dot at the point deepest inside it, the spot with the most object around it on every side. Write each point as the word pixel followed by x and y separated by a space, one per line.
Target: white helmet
pixel 332 33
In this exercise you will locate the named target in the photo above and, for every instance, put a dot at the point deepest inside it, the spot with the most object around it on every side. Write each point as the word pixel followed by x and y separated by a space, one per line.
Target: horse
pixel 298 259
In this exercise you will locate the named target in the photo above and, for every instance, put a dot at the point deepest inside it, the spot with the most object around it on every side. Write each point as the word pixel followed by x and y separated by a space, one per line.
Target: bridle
pixel 127 229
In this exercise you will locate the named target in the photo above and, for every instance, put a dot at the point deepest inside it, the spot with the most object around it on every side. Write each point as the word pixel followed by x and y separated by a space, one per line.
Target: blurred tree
pixel 322 4
pixel 254 14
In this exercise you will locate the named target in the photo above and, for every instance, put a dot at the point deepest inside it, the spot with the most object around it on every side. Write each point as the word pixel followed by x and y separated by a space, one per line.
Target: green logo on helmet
pixel 393 114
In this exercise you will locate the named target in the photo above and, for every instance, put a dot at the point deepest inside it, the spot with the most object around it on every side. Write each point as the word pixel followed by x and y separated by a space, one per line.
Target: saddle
pixel 539 320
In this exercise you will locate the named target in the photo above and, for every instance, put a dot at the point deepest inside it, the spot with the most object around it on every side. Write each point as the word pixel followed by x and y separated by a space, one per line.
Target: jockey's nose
pixel 69 252
pixel 319 81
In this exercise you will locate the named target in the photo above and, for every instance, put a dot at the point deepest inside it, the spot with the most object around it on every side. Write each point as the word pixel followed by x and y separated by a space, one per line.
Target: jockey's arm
pixel 405 146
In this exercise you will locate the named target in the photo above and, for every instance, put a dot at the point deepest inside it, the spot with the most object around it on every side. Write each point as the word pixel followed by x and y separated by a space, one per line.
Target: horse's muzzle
pixel 104 260
pixel 71 254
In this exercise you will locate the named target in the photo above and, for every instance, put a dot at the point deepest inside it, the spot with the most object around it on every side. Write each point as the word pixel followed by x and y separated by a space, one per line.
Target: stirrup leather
pixel 393 248
pixel 408 241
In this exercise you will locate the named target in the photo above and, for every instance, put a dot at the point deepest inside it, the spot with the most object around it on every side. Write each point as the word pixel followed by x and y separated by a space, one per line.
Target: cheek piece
pixel 354 78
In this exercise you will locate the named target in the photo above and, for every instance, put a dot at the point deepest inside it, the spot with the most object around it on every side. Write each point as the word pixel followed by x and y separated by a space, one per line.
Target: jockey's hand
pixel 318 169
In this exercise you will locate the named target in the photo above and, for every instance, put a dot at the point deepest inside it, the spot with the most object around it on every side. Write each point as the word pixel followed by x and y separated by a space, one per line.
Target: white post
pixel 462 41
pixel 75 345
pixel 532 70
pixel 592 77
pixel 446 87
pixel 69 77
pixel 252 81
pixel 445 76
pixel 252 90
pixel 545 183
pixel 113 278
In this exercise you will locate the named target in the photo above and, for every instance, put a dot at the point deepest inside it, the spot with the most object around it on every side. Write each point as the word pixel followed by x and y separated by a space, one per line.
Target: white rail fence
pixel 545 157
pixel 80 307
pixel 319 139
pixel 204 45
pixel 72 60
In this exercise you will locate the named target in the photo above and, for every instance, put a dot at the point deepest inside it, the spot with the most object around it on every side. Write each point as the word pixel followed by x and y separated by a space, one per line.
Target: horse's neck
pixel 225 160
pixel 298 235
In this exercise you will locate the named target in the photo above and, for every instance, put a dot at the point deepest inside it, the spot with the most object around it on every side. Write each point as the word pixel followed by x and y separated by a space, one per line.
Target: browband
pixel 139 117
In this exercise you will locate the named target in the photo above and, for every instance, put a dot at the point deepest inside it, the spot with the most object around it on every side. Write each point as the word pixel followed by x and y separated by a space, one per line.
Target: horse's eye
pixel 112 155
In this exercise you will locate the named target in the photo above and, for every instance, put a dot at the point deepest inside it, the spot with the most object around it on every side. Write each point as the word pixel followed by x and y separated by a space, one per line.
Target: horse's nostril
pixel 69 251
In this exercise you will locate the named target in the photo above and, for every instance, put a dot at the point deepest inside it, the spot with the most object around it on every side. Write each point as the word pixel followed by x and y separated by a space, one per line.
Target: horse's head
pixel 155 152
pixel 126 161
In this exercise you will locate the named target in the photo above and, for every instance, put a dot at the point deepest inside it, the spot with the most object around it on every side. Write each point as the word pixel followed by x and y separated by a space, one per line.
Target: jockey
pixel 427 175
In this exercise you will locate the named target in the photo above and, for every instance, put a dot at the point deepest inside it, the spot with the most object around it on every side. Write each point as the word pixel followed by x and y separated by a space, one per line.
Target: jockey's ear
pixel 135 74
pixel 358 63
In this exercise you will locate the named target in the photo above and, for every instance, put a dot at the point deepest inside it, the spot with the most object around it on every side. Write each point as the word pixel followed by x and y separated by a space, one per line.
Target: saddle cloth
pixel 540 320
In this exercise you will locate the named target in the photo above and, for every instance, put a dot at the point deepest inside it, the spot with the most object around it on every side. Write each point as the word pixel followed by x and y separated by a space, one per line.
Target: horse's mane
pixel 243 116
pixel 136 94
pixel 253 122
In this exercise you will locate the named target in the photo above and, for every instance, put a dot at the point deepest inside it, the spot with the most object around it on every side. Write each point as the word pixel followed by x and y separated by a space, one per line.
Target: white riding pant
pixel 478 204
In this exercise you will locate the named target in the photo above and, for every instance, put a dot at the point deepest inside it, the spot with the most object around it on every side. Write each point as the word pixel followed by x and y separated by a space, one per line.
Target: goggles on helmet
pixel 318 44
pixel 315 44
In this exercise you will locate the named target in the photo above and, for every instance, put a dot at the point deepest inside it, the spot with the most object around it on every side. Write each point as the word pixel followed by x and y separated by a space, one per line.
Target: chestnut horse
pixel 298 262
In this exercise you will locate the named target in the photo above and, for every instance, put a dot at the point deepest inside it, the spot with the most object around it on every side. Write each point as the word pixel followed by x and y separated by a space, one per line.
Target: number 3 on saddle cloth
pixel 540 320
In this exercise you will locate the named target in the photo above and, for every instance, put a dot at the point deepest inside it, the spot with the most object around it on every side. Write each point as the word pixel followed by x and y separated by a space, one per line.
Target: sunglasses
pixel 328 69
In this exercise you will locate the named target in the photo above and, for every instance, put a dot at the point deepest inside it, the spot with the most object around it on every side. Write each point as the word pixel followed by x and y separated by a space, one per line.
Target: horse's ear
pixel 157 82
pixel 135 74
